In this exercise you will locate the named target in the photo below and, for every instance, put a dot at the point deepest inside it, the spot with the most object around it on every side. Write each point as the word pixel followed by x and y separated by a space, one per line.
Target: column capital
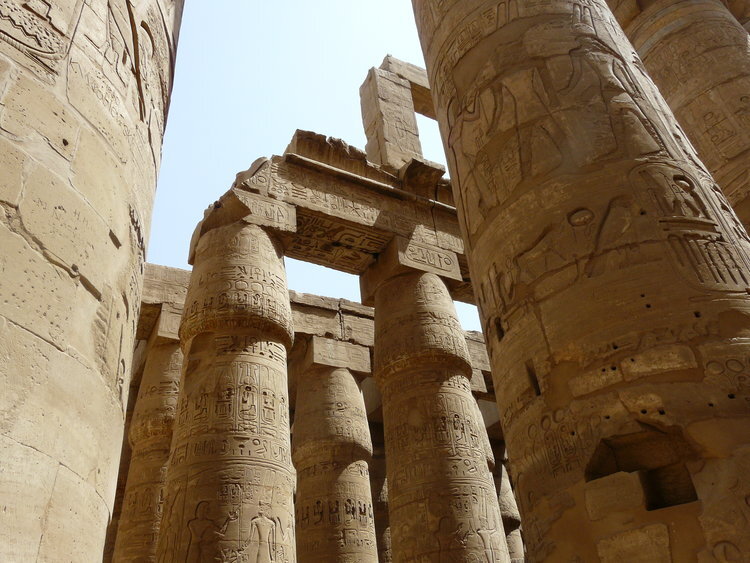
pixel 403 256
pixel 246 204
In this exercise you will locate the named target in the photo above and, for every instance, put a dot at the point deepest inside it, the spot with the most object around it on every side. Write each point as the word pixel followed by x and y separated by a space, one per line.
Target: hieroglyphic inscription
pixel 442 500
pixel 331 451
pixel 231 481
pixel 595 239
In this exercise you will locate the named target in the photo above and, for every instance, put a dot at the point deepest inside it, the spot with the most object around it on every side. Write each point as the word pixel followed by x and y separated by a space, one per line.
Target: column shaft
pixel 509 512
pixel 84 93
pixel 612 279
pixel 697 54
pixel 442 501
pixel 230 480
pixel 379 487
pixel 150 438
pixel 331 452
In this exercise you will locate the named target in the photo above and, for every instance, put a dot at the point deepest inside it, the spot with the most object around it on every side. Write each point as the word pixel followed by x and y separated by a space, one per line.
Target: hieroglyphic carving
pixel 150 435
pixel 582 201
pixel 39 29
pixel 442 500
pixel 70 117
pixel 331 451
pixel 697 56
pixel 230 481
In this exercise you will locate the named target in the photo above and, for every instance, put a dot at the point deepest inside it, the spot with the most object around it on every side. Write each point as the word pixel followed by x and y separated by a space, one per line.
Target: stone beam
pixel 348 210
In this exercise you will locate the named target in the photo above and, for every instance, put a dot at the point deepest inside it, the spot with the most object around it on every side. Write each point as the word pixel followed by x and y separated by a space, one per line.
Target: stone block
pixel 34 294
pixel 22 466
pixel 31 111
pixel 403 254
pixel 11 172
pixel 71 504
pixel 618 492
pixel 99 179
pixel 334 353
pixel 40 406
pixel 66 226
pixel 648 544
pixel 671 357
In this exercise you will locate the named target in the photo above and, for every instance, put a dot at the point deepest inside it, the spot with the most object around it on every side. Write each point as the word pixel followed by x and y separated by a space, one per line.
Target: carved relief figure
pixel 204 532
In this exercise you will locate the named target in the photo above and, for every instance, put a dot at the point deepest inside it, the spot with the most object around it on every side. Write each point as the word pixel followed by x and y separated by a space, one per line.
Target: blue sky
pixel 249 74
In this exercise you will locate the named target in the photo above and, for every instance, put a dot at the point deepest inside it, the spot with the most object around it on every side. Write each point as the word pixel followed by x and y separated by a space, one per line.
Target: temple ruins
pixel 596 213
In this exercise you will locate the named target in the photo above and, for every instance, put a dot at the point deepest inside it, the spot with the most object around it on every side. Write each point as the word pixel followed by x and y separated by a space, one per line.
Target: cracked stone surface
pixel 84 91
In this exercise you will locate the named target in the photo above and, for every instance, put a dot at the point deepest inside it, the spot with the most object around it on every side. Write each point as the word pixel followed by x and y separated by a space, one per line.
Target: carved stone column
pixel 441 497
pixel 230 481
pixel 331 449
pixel 509 511
pixel 612 278
pixel 84 93
pixel 150 438
pixel 697 54
pixel 379 487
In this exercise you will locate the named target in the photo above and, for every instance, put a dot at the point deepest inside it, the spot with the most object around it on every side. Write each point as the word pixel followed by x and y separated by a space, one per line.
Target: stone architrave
pixel 150 436
pixel 230 483
pixel 331 450
pixel 697 54
pixel 441 497
pixel 84 90
pixel 612 281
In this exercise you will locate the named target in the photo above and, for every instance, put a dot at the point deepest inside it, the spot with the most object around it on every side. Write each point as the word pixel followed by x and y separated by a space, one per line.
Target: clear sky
pixel 249 74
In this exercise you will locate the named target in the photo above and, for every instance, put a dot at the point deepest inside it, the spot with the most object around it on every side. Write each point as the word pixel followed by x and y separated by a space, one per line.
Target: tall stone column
pixel 331 449
pixel 379 488
pixel 230 480
pixel 84 90
pixel 612 279
pixel 697 54
pixel 150 437
pixel 509 511
pixel 441 497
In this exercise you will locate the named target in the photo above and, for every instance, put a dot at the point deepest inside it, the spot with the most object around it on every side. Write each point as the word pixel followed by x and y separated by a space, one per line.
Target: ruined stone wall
pixel 84 91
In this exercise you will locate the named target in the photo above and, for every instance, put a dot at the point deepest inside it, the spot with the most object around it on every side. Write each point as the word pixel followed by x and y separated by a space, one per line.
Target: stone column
pixel 508 511
pixel 379 487
pixel 84 90
pixel 612 279
pixel 230 481
pixel 441 498
pixel 150 437
pixel 331 449
pixel 697 54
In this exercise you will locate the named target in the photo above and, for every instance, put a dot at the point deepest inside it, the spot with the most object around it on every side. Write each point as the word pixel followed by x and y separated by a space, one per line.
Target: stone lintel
pixel 329 352
pixel 619 492
pixel 402 255
pixel 168 325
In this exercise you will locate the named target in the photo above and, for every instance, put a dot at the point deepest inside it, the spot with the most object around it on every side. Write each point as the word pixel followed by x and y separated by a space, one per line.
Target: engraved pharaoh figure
pixel 629 133
pixel 204 532
pixel 263 538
